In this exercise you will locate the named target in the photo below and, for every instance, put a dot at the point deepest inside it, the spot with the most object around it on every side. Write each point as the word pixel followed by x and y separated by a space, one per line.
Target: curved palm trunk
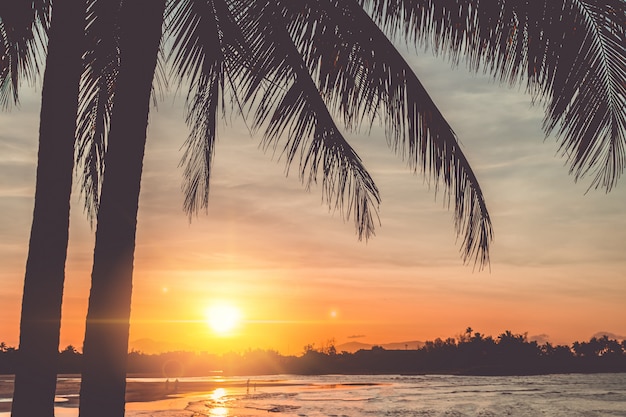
pixel 35 379
pixel 106 336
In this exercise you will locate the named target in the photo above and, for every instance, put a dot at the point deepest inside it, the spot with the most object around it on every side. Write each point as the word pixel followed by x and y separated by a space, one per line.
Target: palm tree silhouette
pixel 20 41
pixel 570 54
pixel 257 55
pixel 266 52
pixel 106 336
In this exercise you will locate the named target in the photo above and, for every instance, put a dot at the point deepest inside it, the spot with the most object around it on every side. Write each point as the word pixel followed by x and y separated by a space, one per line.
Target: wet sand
pixel 139 391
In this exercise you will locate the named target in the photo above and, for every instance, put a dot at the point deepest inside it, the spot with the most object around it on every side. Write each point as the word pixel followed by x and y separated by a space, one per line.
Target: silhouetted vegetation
pixel 469 353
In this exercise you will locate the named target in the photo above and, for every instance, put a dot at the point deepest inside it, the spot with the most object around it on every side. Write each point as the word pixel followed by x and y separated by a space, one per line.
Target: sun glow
pixel 223 318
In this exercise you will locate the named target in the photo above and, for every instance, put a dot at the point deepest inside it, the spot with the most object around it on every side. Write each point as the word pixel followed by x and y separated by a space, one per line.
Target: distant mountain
pixel 352 347
pixel 609 335
pixel 412 345
pixel 541 339
pixel 356 346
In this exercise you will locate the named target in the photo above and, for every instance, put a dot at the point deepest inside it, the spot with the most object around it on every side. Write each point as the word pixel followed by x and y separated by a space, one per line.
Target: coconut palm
pixel 262 67
pixel 295 65
pixel 22 31
pixel 106 337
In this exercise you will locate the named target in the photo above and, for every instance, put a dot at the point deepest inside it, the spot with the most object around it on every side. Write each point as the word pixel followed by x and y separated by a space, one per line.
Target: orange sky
pixel 299 275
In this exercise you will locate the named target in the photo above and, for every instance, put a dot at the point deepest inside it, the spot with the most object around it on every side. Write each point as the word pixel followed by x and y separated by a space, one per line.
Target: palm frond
pixel 205 36
pixel 587 106
pixel 160 84
pixel 96 94
pixel 570 53
pixel 293 109
pixel 23 28
pixel 364 77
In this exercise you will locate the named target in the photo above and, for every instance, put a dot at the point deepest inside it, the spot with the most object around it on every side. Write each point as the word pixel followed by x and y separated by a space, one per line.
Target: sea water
pixel 570 395
pixel 567 395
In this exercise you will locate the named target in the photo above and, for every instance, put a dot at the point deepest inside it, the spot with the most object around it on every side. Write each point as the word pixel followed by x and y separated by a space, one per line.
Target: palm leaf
pixel 571 54
pixel 96 94
pixel 23 28
pixel 588 102
pixel 292 108
pixel 205 39
pixel 364 77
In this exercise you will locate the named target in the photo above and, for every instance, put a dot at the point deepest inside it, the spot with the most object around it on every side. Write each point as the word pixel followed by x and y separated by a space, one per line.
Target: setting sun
pixel 223 318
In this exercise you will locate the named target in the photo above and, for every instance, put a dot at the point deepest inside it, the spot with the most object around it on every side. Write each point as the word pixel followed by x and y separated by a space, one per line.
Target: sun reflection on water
pixel 218 412
pixel 218 394
pixel 218 401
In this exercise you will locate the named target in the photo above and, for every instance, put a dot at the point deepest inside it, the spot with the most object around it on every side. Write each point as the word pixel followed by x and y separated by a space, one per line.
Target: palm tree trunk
pixel 35 379
pixel 106 336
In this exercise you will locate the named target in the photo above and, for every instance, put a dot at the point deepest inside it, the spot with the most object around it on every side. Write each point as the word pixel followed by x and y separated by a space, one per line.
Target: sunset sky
pixel 298 274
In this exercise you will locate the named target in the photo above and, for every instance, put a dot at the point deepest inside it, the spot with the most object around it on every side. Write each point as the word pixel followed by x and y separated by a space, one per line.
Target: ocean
pixel 571 395
pixel 567 395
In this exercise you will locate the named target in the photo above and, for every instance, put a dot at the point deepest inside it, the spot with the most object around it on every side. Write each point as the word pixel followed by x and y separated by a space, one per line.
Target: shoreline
pixel 148 395
pixel 141 392
pixel 148 392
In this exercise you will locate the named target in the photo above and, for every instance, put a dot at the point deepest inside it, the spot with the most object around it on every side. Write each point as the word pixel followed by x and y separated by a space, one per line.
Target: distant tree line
pixel 471 353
